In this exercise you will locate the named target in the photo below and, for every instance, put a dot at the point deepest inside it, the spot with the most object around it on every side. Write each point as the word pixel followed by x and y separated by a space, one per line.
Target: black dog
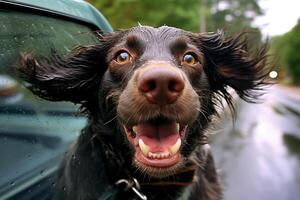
pixel 150 95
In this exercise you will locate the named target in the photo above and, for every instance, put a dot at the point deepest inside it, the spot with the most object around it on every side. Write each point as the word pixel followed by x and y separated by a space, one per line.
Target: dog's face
pixel 159 86
pixel 159 100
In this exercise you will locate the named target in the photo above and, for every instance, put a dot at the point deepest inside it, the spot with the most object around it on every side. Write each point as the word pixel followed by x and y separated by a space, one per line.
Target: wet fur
pixel 101 156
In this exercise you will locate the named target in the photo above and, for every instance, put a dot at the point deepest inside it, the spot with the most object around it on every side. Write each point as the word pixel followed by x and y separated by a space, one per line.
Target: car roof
pixel 72 8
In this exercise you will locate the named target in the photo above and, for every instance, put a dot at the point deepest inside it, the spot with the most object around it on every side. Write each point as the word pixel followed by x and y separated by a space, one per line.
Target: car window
pixel 34 133
pixel 22 32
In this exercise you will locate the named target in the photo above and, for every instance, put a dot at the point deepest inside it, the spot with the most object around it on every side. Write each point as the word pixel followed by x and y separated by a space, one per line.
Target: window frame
pixel 27 8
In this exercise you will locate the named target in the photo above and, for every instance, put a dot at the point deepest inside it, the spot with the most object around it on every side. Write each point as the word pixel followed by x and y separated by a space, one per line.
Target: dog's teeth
pixel 144 148
pixel 153 155
pixel 165 155
pixel 150 155
pixel 134 128
pixel 175 148
pixel 177 127
pixel 160 155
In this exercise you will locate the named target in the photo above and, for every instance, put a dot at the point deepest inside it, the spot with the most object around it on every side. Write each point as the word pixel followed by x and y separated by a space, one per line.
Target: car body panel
pixel 74 8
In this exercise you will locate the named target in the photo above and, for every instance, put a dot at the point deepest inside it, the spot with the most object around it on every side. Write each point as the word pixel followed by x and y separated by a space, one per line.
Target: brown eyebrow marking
pixel 178 46
pixel 135 44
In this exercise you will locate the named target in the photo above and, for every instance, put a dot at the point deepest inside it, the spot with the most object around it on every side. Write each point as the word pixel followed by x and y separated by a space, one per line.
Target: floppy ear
pixel 72 78
pixel 228 62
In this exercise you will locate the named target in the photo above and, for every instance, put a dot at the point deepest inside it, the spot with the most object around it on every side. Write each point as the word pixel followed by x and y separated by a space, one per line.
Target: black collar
pixel 184 177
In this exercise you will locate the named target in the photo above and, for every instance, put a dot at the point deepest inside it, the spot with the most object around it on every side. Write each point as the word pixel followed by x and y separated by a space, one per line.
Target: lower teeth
pixel 158 155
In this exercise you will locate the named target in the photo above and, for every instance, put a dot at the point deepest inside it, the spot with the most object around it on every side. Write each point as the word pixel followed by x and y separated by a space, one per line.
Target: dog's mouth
pixel 157 142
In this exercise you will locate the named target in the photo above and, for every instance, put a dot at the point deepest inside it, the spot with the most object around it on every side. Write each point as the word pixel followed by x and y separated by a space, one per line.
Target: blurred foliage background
pixel 287 48
pixel 208 16
pixel 187 14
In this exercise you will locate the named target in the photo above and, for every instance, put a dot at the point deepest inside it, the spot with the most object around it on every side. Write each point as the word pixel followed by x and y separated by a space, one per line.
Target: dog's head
pixel 157 86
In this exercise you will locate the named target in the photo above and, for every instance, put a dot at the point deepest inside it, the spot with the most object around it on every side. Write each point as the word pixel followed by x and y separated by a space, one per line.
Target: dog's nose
pixel 161 85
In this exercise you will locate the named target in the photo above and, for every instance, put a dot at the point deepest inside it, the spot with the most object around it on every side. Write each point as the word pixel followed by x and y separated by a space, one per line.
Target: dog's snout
pixel 161 85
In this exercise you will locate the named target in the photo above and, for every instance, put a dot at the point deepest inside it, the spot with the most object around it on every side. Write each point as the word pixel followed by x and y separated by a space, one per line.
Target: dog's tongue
pixel 158 137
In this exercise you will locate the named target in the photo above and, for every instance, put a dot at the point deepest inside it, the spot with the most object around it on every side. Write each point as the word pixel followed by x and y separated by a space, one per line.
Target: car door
pixel 35 134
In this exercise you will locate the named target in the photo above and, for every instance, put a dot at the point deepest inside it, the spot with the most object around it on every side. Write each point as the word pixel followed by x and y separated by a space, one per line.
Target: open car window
pixel 34 133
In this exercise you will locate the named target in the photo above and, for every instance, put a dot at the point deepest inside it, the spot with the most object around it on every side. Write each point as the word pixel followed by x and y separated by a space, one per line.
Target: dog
pixel 150 95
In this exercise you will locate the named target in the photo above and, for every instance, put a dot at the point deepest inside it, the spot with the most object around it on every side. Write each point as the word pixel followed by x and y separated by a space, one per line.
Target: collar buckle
pixel 133 185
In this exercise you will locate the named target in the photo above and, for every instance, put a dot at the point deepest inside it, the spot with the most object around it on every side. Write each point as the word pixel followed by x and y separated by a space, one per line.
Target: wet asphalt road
pixel 259 155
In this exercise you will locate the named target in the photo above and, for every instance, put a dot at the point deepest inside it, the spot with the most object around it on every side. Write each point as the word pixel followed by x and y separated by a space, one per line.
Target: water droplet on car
pixel 12 183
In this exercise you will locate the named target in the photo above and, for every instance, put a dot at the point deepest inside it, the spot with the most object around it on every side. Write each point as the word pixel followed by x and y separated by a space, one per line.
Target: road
pixel 259 155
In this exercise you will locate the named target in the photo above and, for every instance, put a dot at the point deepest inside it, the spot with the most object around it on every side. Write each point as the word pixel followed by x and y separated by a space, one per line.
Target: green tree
pixel 233 15
pixel 287 48
pixel 128 13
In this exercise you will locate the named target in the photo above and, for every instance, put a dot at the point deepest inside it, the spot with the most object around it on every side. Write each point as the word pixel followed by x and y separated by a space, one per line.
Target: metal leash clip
pixel 134 186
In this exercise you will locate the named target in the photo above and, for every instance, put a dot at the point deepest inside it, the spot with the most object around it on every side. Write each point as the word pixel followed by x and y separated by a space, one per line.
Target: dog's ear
pixel 228 62
pixel 74 77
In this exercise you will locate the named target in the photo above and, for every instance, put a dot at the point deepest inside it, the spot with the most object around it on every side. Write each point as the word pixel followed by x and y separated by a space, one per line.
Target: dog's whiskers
pixel 107 122
pixel 202 112
pixel 132 114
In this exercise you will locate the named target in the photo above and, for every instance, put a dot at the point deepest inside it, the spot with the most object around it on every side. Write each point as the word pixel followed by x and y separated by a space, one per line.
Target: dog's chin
pixel 157 144
pixel 158 172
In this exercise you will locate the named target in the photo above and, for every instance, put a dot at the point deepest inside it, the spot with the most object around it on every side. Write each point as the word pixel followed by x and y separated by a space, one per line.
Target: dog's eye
pixel 189 59
pixel 123 57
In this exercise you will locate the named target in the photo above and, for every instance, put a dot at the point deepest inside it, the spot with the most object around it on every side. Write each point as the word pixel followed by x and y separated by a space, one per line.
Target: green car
pixel 35 134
